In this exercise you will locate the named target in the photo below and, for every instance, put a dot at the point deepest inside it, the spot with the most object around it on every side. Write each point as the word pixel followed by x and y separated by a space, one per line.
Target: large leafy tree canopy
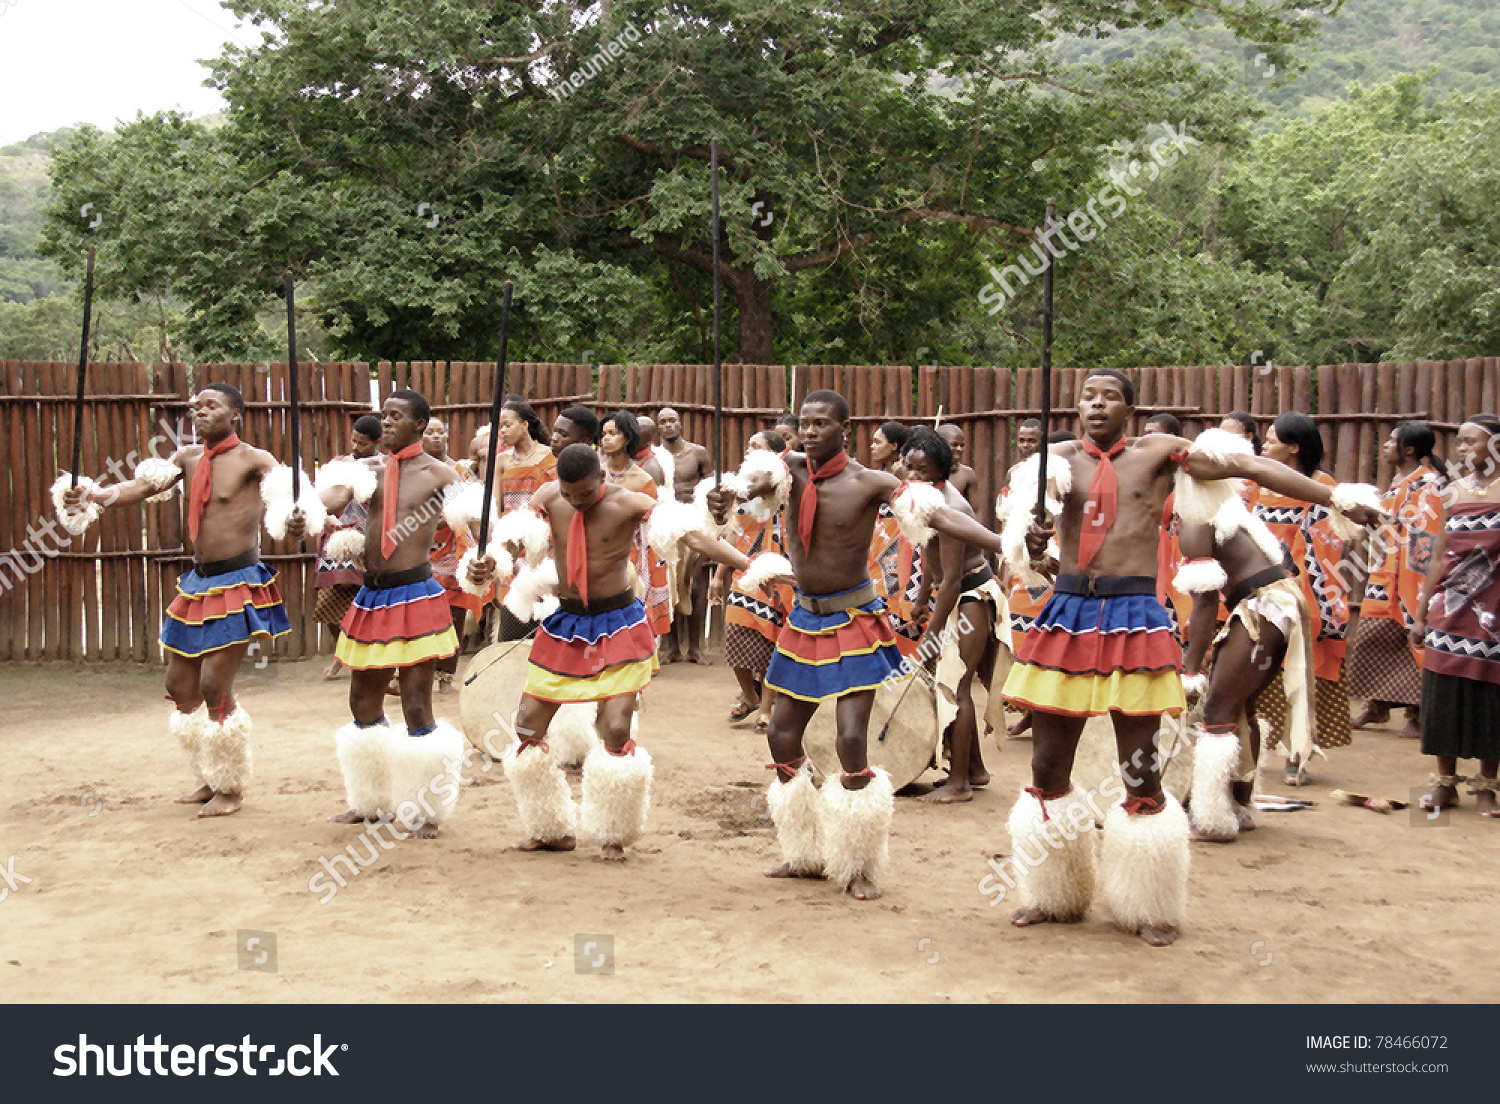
pixel 404 158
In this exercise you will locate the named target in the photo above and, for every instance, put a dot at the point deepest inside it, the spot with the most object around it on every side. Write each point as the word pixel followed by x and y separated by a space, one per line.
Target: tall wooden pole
pixel 83 362
pixel 1041 487
pixel 501 366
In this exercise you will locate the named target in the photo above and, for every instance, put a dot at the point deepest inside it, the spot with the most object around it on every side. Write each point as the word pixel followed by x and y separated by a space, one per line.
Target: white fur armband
pixel 526 527
pixel 1199 500
pixel 1195 686
pixel 764 462
pixel 668 523
pixel 160 475
pixel 276 493
pixel 730 483
pixel 1200 577
pixel 505 566
pixel 1021 511
pixel 463 506
pixel 913 507
pixel 1346 496
pixel 75 521
pixel 346 546
pixel 529 587
pixel 763 568
pixel 353 475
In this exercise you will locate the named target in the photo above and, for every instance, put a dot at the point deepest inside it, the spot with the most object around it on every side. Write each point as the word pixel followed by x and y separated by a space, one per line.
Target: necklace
pixel 527 458
pixel 1471 484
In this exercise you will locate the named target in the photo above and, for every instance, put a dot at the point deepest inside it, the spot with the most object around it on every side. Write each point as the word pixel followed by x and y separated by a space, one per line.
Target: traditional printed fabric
pixel 1313 553
pixel 333 603
pixel 341 573
pixel 1331 727
pixel 1394 586
pixel 1087 656
pixel 1463 629
pixel 650 568
pixel 518 483
pixel 397 627
pixel 884 549
pixel 747 650
pixel 218 611
pixel 1281 604
pixel 590 657
pixel 1379 666
pixel 758 611
pixel 822 656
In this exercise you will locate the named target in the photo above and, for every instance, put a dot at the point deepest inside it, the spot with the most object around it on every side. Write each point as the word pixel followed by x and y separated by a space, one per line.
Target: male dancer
pixel 596 647
pixel 965 480
pixel 399 622
pixel 1103 645
pixel 691 465
pixel 838 643
pixel 226 600
pixel 576 425
pixel 645 455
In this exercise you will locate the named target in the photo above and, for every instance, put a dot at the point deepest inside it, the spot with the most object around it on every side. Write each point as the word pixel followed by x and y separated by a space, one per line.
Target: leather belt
pixel 1243 589
pixel 598 605
pixel 1097 586
pixel 832 603
pixel 976 578
pixel 223 567
pixel 377 581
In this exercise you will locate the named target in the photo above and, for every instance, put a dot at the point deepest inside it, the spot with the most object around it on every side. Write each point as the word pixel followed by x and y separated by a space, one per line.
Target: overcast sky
pixel 96 61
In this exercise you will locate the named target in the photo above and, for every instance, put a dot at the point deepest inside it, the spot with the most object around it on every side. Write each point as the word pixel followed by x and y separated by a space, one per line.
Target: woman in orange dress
pixel 521 469
pixel 619 441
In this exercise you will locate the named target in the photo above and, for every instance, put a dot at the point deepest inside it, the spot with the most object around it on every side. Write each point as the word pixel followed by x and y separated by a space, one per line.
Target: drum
pixel 490 694
pixel 904 731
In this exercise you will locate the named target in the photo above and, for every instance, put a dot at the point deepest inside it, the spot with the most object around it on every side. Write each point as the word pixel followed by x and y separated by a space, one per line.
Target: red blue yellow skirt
pixel 589 657
pixel 821 656
pixel 1087 656
pixel 218 611
pixel 397 627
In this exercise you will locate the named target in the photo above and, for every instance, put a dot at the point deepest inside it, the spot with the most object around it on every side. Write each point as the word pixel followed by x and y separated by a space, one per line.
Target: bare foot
pixel 1019 725
pixel 979 778
pixel 1024 918
pixel 1441 797
pixel 425 830
pixel 862 889
pixel 393 689
pixel 949 792
pixel 785 871
pixel 332 670
pixel 1374 713
pixel 611 852
pixel 1413 728
pixel 1202 837
pixel 567 843
pixel 1158 937
pixel 351 817
pixel 695 656
pixel 1485 805
pixel 445 686
pixel 674 656
pixel 197 797
pixel 222 804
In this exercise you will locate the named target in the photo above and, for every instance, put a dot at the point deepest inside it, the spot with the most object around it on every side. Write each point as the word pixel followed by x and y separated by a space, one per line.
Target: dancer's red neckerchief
pixel 392 497
pixel 645 452
pixel 1164 551
pixel 1104 501
pixel 807 511
pixel 578 551
pixel 203 482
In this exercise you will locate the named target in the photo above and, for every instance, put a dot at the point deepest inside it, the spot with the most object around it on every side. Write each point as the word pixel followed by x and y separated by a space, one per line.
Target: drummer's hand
pixel 296 526
pixel 1038 536
pixel 482 569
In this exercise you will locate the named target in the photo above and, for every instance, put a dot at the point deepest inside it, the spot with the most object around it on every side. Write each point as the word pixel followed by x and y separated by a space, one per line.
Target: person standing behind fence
pixel 1383 667
pixel 1315 552
pixel 337 581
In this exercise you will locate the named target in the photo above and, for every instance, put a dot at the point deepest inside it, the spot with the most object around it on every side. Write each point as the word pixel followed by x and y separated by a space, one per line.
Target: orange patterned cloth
pixel 1314 551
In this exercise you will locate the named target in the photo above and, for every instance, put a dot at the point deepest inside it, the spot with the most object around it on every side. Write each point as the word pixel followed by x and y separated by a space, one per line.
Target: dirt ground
pixel 131 898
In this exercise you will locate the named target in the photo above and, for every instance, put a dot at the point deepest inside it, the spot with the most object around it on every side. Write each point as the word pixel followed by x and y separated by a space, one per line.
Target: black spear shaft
pixel 83 361
pixel 291 366
pixel 499 401
pixel 713 153
pixel 1041 486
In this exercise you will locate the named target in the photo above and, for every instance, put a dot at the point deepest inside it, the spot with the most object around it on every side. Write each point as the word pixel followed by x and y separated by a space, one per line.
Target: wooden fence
pixel 101 596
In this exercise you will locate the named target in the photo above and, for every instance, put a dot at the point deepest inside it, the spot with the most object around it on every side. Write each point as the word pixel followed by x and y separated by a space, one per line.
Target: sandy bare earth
pixel 132 899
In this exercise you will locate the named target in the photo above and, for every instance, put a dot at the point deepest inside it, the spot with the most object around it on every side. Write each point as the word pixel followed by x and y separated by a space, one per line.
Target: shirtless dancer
pixel 1103 644
pixel 645 455
pixel 838 643
pixel 226 600
pixel 399 622
pixel 691 465
pixel 965 480
pixel 596 647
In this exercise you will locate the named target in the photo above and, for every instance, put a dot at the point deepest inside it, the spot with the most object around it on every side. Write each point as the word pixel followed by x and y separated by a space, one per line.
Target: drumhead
pixel 490 694
pixel 903 735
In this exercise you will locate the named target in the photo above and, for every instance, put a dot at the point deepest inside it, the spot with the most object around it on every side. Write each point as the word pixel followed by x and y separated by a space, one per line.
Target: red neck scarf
pixel 645 452
pixel 203 482
pixel 1103 503
pixel 578 551
pixel 392 495
pixel 807 511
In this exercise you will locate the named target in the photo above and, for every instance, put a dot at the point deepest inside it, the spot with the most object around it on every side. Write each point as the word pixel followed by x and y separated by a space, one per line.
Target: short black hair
pixel 585 419
pixel 577 461
pixel 774 439
pixel 231 392
pixel 1030 423
pixel 928 441
pixel 789 420
pixel 831 398
pixel 1296 428
pixel 367 424
pixel 1167 421
pixel 895 433
pixel 518 406
pixel 419 408
pixel 1126 386
pixel 1060 437
pixel 625 422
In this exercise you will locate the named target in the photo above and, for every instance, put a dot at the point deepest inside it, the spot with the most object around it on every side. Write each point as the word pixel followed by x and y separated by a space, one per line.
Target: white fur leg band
pixel 76 521
pixel 794 810
pixel 1143 867
pixel 425 775
pixel 1052 848
pixel 913 507
pixel 225 756
pixel 571 734
pixel 1215 762
pixel 188 729
pixel 763 568
pixel 276 493
pixel 616 795
pixel 364 759
pixel 856 828
pixel 355 476
pixel 1346 496
pixel 542 795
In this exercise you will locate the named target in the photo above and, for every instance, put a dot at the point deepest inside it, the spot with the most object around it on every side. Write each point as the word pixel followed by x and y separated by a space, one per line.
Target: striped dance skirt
pixel 217 611
pixel 585 657
pixel 1087 656
pixel 822 656
pixel 397 626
